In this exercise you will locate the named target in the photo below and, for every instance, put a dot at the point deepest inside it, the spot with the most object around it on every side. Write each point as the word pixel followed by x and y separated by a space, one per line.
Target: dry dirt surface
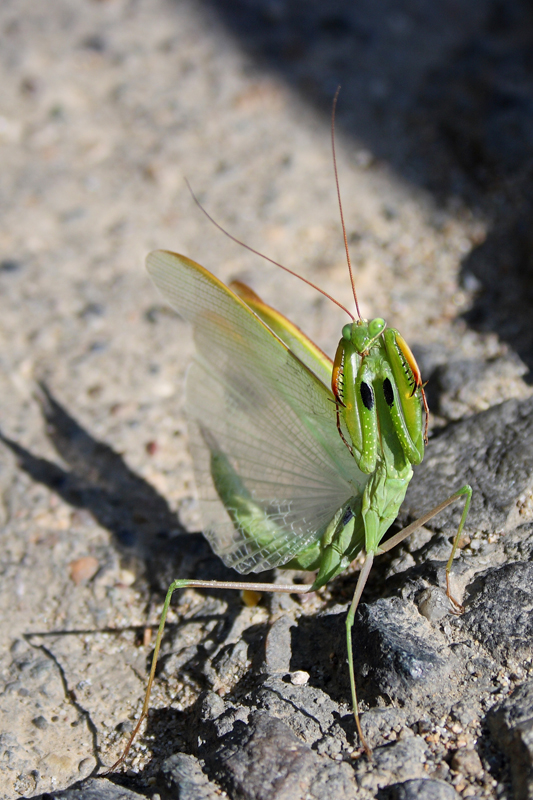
pixel 106 106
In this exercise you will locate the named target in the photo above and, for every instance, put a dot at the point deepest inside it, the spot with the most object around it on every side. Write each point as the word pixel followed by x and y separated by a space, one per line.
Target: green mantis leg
pixel 465 492
pixel 185 583
pixel 350 619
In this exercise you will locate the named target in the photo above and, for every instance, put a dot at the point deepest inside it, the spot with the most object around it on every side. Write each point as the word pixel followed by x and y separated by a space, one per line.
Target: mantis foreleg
pixel 464 491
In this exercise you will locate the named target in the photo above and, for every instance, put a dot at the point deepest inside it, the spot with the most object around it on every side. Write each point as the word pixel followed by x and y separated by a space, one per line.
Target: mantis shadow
pixel 143 527
pixel 443 95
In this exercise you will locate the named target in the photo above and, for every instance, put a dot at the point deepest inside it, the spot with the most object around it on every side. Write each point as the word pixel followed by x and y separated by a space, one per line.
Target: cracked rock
pixel 419 789
pixel 499 611
pixel 511 723
pixel 264 760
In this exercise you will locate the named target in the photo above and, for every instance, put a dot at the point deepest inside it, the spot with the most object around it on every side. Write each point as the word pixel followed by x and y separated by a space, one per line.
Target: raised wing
pixel 295 339
pixel 254 407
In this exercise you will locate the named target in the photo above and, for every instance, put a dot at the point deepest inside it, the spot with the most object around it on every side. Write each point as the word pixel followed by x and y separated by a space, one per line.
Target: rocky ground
pixel 105 107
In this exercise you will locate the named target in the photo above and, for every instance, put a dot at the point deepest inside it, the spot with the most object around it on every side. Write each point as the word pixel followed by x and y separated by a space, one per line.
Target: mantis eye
pixel 376 326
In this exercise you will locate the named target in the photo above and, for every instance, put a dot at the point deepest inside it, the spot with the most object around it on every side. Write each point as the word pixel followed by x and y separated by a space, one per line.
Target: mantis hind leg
pixel 187 583
pixel 464 491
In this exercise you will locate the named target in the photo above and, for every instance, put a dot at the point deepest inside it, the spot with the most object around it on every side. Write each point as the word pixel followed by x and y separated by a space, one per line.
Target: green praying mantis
pixel 300 462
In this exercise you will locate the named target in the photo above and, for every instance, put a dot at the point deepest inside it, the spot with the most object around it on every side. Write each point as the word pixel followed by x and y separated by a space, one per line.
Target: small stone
pixel 459 783
pixel 442 771
pixel 463 712
pixel 299 678
pixel 86 766
pixel 83 569
pixel 467 762
pixel 18 647
pixel 424 726
pixel 419 789
pixel 456 728
pixel 433 604
pixel 124 727
pixel 127 577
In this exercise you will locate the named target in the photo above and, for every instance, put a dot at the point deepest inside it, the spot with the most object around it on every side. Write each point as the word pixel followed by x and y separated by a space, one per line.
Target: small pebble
pixel 86 766
pixel 299 678
pixel 467 762
pixel 83 569
pixel 127 577
pixel 456 728
pixel 433 604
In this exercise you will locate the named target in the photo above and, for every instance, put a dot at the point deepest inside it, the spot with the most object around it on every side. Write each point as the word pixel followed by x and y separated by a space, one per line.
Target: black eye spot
pixel 388 392
pixel 348 514
pixel 367 396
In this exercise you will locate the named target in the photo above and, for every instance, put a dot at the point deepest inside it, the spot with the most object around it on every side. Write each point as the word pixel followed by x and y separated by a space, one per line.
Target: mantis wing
pixel 297 342
pixel 260 420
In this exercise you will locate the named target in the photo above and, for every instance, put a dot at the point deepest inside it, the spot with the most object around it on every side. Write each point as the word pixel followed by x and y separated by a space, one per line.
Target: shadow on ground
pixel 444 96
pixel 144 529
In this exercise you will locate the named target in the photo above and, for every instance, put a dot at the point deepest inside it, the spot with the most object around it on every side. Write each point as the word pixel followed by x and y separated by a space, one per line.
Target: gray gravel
pixel 105 107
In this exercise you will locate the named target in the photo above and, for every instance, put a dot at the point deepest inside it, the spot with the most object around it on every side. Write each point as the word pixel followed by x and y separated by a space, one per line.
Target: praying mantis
pixel 300 462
